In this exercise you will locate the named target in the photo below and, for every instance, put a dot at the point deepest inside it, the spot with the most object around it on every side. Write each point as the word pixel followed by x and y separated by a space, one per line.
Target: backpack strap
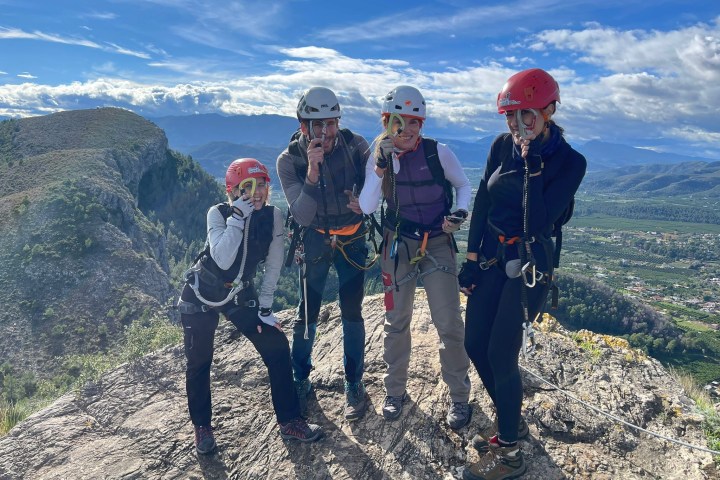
pixel 433 161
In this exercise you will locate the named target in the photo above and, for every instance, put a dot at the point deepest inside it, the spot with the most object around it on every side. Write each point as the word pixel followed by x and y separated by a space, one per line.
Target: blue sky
pixel 645 74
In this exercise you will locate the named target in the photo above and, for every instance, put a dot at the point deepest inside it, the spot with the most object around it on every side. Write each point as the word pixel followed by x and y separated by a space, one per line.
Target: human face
pixel 407 139
pixel 259 196
pixel 325 129
pixel 532 120
pixel 261 193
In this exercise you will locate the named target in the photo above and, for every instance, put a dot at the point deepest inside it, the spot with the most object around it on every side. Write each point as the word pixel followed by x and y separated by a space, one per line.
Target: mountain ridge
pixel 80 222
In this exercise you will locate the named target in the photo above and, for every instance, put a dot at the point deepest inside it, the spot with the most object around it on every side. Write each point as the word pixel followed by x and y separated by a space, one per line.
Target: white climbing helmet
pixel 404 100
pixel 318 103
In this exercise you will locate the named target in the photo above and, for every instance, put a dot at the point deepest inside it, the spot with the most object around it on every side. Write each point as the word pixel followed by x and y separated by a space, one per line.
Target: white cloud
pixel 26 75
pixel 3 73
pixel 642 105
pixel 694 50
pixel 100 15
pixel 16 33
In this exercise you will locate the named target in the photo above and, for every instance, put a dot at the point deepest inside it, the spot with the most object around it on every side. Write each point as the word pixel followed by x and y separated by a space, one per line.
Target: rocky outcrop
pixel 133 423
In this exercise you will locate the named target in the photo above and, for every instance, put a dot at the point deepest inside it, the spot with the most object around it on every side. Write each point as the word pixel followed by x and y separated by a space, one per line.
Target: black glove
pixel 385 153
pixel 469 274
pixel 533 158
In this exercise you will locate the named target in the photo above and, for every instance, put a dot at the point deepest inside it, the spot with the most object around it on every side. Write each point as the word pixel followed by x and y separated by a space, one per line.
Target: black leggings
pixel 272 344
pixel 493 338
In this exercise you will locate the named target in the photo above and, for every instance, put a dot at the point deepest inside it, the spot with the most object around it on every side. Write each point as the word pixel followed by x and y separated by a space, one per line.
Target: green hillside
pixel 95 215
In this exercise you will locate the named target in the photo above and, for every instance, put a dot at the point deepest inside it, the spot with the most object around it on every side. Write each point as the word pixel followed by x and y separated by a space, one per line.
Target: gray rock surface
pixel 133 422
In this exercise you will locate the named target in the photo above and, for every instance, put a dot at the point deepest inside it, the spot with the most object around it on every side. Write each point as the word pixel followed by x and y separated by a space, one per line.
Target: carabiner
pixel 533 273
pixel 394 246
pixel 528 343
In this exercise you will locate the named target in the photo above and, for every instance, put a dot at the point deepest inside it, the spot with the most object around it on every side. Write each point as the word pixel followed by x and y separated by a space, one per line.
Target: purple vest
pixel 421 199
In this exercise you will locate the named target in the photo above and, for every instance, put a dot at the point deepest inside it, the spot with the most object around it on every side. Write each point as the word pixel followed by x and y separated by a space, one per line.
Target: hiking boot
pixel 392 408
pixel 498 464
pixel 482 445
pixel 299 429
pixel 459 415
pixel 357 400
pixel 302 387
pixel 204 439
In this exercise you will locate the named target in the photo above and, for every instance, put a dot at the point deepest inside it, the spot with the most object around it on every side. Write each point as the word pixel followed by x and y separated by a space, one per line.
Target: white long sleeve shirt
pixel 371 194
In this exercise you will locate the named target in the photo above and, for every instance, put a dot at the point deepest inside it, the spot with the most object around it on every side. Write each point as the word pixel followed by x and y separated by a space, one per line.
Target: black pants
pixel 493 338
pixel 271 344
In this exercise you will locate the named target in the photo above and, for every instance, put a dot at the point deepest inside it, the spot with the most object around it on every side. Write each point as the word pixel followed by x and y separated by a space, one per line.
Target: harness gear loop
pixel 340 244
pixel 415 273
pixel 420 253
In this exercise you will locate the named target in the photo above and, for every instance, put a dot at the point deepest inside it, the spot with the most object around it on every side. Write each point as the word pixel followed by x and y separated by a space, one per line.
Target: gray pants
pixel 444 301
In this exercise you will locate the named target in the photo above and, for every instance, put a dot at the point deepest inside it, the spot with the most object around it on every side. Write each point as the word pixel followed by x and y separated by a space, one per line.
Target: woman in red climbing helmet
pixel 241 234
pixel 530 179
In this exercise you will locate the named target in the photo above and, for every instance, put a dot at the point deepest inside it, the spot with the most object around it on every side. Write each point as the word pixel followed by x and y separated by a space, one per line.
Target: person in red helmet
pixel 530 181
pixel 242 233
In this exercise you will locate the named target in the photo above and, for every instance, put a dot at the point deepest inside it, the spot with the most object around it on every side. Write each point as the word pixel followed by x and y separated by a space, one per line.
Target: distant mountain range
pixel 214 140
pixel 687 178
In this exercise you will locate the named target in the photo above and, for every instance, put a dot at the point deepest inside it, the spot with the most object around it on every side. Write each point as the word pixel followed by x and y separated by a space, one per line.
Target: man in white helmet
pixel 320 172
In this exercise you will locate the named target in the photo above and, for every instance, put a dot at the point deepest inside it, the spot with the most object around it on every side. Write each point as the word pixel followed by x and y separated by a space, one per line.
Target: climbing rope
pixel 618 419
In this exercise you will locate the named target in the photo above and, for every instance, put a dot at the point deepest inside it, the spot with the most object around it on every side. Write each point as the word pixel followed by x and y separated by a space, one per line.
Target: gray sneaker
pixel 392 408
pixel 299 429
pixel 459 414
pixel 302 387
pixel 357 401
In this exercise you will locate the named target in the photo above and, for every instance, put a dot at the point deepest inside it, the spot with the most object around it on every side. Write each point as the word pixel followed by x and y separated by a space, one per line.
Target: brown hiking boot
pixel 204 439
pixel 499 463
pixel 483 446
pixel 299 429
pixel 356 400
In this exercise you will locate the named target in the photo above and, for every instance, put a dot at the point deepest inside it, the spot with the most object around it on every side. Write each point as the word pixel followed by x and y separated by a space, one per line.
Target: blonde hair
pixel 386 182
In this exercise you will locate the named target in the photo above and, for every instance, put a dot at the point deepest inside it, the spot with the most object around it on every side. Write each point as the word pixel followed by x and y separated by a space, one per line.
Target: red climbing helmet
pixel 533 88
pixel 242 169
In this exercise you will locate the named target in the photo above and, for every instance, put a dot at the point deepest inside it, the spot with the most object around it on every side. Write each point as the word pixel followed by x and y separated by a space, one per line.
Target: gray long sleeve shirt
pixel 341 171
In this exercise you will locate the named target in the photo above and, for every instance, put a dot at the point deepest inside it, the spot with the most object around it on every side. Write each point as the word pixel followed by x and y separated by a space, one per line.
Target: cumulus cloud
pixel 644 98
pixel 659 83
pixel 694 50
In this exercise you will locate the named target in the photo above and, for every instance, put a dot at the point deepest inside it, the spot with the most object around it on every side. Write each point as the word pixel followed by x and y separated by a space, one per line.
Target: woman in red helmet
pixel 242 233
pixel 530 179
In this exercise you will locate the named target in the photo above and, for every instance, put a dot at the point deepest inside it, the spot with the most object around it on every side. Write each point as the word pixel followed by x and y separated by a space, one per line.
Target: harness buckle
pixel 252 303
